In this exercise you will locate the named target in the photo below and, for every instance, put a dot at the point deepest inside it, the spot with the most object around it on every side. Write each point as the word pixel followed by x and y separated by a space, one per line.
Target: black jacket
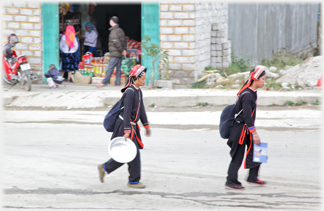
pixel 117 41
pixel 56 75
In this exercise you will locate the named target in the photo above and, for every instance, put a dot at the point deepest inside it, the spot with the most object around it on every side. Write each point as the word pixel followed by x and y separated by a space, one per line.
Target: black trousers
pixel 134 167
pixel 235 164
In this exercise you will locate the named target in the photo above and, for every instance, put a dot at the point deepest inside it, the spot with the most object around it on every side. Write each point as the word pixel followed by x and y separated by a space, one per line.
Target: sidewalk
pixel 74 96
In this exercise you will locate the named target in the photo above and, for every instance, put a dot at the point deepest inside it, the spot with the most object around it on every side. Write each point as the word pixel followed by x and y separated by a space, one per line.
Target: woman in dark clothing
pixel 244 132
pixel 127 126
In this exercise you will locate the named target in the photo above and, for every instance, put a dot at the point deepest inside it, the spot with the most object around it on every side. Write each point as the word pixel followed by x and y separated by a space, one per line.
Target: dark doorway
pixel 129 20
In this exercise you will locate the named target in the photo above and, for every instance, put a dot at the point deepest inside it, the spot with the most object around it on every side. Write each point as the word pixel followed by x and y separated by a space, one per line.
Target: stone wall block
pixel 189 7
pixel 180 74
pixel 174 37
pixel 37 12
pixel 189 23
pixel 175 66
pixel 188 52
pixel 163 23
pixel 220 34
pixel 174 22
pixel 188 67
pixel 34 60
pixel 188 80
pixel 27 26
pixel 164 7
pixel 166 30
pixel 8 17
pixel 26 40
pixel 33 5
pixel 13 25
pixel 220 40
pixel 175 7
pixel 225 45
pixel 181 30
pixel 26 11
pixel 21 46
pixel 20 18
pixel 166 15
pixel 181 15
pixel 166 45
pixel 175 52
pixel 27 53
pixel 35 33
pixel 34 47
pixel 7 4
pixel 12 11
pixel 19 4
pixel 181 45
pixel 188 37
pixel 34 19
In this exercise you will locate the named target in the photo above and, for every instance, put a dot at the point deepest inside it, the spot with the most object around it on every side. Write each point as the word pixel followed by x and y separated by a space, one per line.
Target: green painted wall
pixel 151 27
pixel 50 19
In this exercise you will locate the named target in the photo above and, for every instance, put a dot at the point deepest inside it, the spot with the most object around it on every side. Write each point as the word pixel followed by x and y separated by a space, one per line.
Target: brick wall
pixel 177 35
pixel 186 32
pixel 24 20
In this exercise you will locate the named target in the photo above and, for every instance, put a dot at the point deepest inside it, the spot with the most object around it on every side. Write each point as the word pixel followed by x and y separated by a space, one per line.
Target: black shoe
pixel 258 182
pixel 234 187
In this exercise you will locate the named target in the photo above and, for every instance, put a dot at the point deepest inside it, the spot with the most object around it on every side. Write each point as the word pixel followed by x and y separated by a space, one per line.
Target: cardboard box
pixel 78 78
pixel 123 80
pixel 96 80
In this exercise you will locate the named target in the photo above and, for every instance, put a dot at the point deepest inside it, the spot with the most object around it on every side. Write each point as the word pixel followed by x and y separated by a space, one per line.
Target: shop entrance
pixel 132 19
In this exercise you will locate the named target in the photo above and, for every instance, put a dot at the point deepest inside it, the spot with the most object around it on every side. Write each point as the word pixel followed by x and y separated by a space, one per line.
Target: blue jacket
pixel 56 75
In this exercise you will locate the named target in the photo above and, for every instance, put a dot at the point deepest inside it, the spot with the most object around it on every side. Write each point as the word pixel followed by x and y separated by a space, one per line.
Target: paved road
pixel 51 164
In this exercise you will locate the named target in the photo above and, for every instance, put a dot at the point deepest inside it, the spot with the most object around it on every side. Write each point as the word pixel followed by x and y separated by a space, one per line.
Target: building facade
pixel 196 35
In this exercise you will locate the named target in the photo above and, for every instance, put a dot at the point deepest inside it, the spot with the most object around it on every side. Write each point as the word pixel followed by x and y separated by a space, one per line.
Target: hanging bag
pixel 111 117
pixel 227 119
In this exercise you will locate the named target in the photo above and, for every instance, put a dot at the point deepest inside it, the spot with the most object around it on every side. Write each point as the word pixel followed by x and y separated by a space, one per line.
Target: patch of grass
pixel 316 102
pixel 280 59
pixel 289 103
pixel 152 105
pixel 199 85
pixel 203 104
pixel 300 102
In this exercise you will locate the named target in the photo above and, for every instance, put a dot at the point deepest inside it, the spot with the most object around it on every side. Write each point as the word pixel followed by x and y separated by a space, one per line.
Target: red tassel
pixel 319 82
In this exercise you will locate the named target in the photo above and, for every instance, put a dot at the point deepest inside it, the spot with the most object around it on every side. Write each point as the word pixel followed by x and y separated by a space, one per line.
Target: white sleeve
pixel 62 44
pixel 91 38
pixel 75 47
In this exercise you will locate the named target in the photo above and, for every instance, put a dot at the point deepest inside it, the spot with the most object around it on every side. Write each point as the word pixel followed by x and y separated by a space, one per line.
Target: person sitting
pixel 54 77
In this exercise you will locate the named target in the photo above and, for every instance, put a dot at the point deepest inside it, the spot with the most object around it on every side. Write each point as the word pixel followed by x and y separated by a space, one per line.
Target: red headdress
pixel 254 75
pixel 136 72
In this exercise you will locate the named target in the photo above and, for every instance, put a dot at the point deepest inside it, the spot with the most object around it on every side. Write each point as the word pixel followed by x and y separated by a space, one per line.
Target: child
pixel 127 126
pixel 244 132
pixel 54 77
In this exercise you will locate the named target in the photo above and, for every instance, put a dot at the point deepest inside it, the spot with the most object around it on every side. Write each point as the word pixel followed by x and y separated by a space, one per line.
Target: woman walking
pixel 68 46
pixel 127 126
pixel 244 132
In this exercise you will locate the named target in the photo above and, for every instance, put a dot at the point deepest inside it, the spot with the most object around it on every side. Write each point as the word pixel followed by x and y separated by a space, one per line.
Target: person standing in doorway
pixel 90 39
pixel 127 126
pixel 68 46
pixel 117 48
pixel 77 29
pixel 244 133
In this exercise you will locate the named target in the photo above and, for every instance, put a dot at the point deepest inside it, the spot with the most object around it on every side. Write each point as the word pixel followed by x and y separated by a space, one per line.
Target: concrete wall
pixel 186 32
pixel 256 30
pixel 24 19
